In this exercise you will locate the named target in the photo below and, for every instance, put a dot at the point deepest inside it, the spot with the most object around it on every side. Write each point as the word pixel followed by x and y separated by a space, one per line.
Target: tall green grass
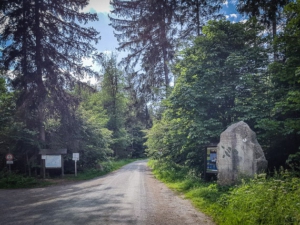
pixel 269 201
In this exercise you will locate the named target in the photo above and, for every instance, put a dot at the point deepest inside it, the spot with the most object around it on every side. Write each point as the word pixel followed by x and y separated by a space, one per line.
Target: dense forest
pixel 189 73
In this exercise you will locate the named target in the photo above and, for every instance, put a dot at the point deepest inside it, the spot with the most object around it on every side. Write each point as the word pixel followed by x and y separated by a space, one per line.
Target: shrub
pixel 13 180
pixel 269 201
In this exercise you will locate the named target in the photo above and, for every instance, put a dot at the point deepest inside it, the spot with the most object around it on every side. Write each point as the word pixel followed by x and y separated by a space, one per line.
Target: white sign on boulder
pixel 239 154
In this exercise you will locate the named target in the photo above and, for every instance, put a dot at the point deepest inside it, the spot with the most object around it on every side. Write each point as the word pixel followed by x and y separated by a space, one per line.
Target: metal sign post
pixel 75 168
pixel 75 158
pixel 9 160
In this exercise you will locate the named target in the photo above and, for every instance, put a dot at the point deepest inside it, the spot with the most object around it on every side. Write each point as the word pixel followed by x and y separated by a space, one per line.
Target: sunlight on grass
pixel 270 201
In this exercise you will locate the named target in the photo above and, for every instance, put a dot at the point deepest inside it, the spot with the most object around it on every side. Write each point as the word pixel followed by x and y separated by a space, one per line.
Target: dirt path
pixel 130 195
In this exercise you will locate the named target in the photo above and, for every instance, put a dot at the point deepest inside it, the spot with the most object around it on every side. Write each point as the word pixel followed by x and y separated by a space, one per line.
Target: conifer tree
pixel 149 30
pixel 269 12
pixel 145 29
pixel 43 46
pixel 194 14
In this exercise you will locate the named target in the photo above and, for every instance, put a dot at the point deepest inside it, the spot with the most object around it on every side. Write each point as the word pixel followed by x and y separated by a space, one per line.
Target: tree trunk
pixel 165 58
pixel 274 32
pixel 24 48
pixel 198 18
pixel 38 55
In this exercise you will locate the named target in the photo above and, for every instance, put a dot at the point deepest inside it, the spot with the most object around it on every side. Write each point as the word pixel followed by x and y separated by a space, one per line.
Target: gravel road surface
pixel 130 195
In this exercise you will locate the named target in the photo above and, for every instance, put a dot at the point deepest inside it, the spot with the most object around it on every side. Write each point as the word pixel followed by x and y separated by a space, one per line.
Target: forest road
pixel 130 195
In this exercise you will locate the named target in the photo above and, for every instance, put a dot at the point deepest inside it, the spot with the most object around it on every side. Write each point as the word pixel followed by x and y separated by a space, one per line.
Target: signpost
pixel 75 158
pixel 9 160
pixel 9 157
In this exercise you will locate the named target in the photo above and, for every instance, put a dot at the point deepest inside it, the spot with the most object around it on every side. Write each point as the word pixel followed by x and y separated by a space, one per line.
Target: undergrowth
pixel 104 168
pixel 13 180
pixel 269 201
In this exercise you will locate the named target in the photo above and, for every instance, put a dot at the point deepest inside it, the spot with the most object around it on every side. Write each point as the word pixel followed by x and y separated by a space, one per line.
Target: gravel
pixel 130 195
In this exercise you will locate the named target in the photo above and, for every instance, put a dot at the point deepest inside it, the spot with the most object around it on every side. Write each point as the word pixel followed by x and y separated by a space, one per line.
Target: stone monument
pixel 239 154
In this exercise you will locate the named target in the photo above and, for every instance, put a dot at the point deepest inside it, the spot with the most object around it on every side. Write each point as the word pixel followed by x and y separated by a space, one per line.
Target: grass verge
pixel 105 168
pixel 269 201
pixel 13 180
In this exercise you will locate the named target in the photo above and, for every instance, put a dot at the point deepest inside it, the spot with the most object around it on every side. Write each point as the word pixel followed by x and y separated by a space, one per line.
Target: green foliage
pixel 104 168
pixel 15 136
pixel 280 132
pixel 269 201
pixel 115 103
pixel 260 201
pixel 88 134
pixel 216 86
pixel 13 180
pixel 88 130
pixel 44 67
pixel 168 171
pixel 293 162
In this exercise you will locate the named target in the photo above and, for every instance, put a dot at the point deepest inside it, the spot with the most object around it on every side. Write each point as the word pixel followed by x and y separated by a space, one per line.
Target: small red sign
pixel 9 157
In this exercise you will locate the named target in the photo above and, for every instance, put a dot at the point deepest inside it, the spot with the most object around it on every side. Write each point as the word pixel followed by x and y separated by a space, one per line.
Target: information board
pixel 211 166
pixel 53 161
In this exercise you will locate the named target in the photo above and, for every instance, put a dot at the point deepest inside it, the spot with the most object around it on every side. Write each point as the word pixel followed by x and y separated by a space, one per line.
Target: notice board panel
pixel 211 160
pixel 53 161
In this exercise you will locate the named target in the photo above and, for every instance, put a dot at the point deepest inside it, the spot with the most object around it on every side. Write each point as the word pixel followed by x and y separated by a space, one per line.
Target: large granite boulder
pixel 239 154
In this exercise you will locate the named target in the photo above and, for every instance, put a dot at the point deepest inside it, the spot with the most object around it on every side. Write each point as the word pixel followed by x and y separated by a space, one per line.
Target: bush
pixel 293 162
pixel 13 180
pixel 262 201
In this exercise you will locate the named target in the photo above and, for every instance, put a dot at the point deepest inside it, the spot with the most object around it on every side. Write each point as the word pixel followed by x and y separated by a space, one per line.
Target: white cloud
pixel 98 6
pixel 96 67
pixel 233 2
pixel 226 16
pixel 226 3
pixel 233 15
pixel 90 62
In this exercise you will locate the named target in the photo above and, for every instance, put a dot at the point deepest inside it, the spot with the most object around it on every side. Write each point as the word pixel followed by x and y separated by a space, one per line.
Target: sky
pixel 109 43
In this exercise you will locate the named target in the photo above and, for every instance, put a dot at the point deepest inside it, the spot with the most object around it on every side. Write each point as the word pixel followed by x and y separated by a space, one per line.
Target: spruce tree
pixel 194 14
pixel 150 31
pixel 268 12
pixel 43 47
pixel 146 29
